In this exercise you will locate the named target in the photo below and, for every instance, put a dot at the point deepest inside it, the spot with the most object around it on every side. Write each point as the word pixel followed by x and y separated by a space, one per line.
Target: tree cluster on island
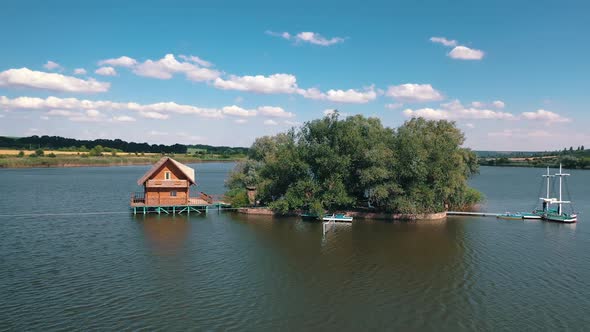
pixel 333 164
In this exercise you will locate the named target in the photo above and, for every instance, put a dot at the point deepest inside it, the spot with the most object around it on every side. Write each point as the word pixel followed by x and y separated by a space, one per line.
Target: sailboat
pixel 547 212
pixel 559 215
pixel 538 213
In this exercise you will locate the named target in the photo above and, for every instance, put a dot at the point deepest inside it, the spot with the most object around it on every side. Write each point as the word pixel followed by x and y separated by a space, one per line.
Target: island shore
pixel 357 214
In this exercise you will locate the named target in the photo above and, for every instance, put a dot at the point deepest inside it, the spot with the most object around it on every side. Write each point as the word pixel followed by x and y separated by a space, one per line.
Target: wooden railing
pixel 167 183
pixel 138 197
pixel 206 198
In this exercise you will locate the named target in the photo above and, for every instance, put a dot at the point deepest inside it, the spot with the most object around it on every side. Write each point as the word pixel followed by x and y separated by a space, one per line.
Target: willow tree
pixel 332 164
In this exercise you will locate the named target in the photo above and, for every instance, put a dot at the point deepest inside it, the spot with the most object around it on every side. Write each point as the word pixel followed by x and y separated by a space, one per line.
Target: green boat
pixel 564 217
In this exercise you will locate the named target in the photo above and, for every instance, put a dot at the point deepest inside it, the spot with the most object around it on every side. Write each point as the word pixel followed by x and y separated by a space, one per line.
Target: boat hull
pixel 562 219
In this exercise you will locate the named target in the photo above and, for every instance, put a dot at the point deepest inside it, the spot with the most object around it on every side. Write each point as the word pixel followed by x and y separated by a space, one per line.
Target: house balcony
pixel 167 184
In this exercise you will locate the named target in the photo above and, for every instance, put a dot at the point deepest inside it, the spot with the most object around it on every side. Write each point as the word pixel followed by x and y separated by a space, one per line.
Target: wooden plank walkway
pixel 473 214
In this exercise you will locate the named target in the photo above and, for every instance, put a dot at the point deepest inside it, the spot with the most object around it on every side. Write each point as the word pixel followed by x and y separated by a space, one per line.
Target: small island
pixel 357 164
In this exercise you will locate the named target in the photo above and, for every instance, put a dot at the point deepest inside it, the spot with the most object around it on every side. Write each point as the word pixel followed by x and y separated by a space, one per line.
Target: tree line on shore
pixel 337 164
pixel 108 145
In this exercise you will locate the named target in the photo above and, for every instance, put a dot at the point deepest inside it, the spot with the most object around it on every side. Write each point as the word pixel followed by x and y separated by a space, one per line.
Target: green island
pixel 55 151
pixel 333 164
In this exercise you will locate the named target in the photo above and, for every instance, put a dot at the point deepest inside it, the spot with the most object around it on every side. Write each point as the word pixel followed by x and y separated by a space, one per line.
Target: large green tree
pixel 333 163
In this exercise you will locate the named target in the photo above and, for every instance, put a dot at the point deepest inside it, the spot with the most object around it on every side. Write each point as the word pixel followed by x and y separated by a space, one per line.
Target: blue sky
pixel 513 75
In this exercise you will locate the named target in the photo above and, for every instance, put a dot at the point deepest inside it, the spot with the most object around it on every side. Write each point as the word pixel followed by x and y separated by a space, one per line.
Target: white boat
pixel 337 217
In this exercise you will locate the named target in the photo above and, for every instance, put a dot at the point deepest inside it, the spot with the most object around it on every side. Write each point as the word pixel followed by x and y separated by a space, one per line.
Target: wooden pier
pixel 473 214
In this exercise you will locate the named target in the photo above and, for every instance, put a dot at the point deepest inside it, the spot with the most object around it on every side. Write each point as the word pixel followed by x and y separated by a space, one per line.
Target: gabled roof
pixel 187 171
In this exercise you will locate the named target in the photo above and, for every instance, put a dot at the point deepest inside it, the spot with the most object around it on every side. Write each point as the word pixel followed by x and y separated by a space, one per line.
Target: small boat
pixel 337 217
pixel 510 216
pixel 536 214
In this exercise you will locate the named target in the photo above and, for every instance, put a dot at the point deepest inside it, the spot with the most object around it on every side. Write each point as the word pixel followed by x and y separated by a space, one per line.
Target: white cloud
pixel 459 51
pixel 543 115
pixel 317 39
pixel 106 71
pixel 166 67
pixel 284 35
pixel 123 118
pixel 291 123
pixel 197 60
pixel 269 111
pixel 414 93
pixel 79 71
pixel 444 41
pixel 270 122
pixel 240 121
pixel 454 110
pixel 427 113
pixel 27 78
pixel 470 125
pixel 71 106
pixel 153 115
pixel 340 96
pixel 498 104
pixel 238 111
pixel 351 96
pixel 466 53
pixel 277 83
pixel 520 133
pixel 123 61
pixel 275 112
pixel 87 116
pixel 393 106
pixel 50 65
pixel 307 37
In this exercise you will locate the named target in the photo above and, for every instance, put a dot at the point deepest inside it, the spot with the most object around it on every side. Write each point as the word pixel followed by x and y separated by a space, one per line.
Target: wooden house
pixel 166 186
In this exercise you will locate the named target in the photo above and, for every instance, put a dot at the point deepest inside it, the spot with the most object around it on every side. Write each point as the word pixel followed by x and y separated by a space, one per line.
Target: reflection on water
pixel 225 271
pixel 164 235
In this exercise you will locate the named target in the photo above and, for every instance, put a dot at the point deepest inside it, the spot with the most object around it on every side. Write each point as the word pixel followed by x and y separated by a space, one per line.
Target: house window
pixel 173 193
pixel 167 175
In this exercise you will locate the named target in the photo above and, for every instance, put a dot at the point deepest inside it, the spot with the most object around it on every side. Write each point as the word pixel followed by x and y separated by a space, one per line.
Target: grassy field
pixel 12 152
pixel 69 160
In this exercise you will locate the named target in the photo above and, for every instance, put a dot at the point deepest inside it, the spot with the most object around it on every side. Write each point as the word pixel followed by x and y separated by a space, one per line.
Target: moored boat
pixel 536 214
pixel 564 217
pixel 337 217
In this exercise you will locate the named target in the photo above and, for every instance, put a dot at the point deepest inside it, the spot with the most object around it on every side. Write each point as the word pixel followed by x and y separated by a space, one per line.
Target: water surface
pixel 225 271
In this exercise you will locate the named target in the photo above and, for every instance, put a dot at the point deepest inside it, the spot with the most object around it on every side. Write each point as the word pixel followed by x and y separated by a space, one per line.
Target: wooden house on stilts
pixel 166 189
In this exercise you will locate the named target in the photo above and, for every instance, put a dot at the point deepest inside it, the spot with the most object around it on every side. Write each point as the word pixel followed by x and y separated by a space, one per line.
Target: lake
pixel 225 271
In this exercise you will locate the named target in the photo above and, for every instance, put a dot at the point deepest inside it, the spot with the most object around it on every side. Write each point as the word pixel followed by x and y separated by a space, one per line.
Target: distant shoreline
pixel 105 161
pixel 530 166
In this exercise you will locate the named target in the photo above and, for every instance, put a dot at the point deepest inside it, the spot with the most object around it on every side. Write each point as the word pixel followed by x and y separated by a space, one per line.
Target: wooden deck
pixel 199 204
pixel 192 201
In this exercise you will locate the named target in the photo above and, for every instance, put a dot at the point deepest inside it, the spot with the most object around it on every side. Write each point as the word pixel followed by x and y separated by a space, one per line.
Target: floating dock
pixel 472 214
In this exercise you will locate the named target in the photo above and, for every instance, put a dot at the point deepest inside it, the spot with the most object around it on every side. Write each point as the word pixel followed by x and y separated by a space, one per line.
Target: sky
pixel 513 75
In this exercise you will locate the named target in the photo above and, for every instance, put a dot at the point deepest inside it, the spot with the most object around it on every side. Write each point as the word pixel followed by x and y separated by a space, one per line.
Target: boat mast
pixel 548 176
pixel 561 175
pixel 547 200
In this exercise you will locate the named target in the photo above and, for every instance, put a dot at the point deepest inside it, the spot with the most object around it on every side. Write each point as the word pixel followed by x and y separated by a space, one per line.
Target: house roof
pixel 187 171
